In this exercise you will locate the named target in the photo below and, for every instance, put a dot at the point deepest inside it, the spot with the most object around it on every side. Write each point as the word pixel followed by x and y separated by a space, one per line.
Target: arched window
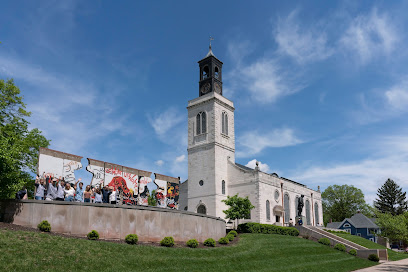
pixel 286 207
pixel 201 120
pixel 296 205
pixel 202 209
pixel 268 211
pixel 307 204
pixel 347 225
pixel 316 208
pixel 223 187
pixel 205 72
pixel 224 120
pixel 216 72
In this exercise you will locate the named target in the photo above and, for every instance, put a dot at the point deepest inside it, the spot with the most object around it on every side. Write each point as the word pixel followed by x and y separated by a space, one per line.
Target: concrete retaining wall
pixel 113 221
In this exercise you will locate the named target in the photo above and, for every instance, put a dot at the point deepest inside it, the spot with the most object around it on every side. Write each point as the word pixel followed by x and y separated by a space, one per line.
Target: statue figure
pixel 300 205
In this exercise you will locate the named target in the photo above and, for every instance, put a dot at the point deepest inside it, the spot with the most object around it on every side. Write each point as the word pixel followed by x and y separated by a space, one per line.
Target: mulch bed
pixel 12 227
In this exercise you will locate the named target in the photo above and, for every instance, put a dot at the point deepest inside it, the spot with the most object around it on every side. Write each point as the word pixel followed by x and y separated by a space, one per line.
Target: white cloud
pixel 166 120
pixel 397 96
pixel 262 166
pixel 391 161
pixel 253 142
pixel 304 44
pixel 180 158
pixel 159 162
pixel 61 105
pixel 369 36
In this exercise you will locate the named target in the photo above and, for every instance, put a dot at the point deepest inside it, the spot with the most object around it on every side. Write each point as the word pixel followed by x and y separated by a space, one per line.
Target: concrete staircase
pixel 362 252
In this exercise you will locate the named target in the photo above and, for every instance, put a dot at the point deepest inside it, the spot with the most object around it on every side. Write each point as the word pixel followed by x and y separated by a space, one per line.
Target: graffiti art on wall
pixel 131 184
pixel 58 164
pixel 167 192
pixel 173 193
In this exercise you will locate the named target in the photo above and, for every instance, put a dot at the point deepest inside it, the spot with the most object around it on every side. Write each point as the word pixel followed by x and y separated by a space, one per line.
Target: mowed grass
pixel 392 255
pixel 30 251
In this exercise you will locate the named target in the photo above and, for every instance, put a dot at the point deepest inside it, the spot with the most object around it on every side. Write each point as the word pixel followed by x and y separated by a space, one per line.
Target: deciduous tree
pixel 239 207
pixel 18 145
pixel 391 198
pixel 394 227
pixel 343 201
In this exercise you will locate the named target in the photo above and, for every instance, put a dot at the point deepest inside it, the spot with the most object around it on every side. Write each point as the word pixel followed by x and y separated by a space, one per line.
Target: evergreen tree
pixel 391 199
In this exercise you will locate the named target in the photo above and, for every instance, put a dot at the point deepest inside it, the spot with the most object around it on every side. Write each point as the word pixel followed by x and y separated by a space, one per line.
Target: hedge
pixel 373 257
pixel 167 241
pixel 44 226
pixel 93 235
pixel 340 247
pixel 267 229
pixel 353 252
pixel 223 240
pixel 210 242
pixel 233 232
pixel 131 239
pixel 324 241
pixel 193 243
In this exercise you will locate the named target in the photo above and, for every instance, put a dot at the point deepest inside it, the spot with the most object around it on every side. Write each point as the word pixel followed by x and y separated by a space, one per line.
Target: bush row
pixel 267 229
pixel 341 247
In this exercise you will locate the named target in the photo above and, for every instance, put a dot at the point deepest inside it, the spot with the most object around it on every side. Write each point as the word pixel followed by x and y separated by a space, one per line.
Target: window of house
pixel 268 210
pixel 224 121
pixel 223 187
pixel 201 122
pixel 347 225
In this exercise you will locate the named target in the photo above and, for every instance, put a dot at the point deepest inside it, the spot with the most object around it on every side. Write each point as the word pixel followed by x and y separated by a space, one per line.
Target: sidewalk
pixel 396 266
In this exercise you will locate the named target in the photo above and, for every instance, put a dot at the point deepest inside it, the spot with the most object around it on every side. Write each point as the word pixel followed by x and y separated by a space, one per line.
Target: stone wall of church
pixel 270 184
pixel 244 184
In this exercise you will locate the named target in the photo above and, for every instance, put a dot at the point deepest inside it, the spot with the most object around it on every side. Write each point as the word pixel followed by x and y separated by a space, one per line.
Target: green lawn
pixel 392 255
pixel 31 251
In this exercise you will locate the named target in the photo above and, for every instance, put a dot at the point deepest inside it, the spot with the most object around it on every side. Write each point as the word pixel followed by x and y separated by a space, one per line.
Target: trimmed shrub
pixel 131 239
pixel 340 247
pixel 223 240
pixel 192 243
pixel 324 241
pixel 93 235
pixel 44 226
pixel 353 252
pixel 210 242
pixel 167 241
pixel 230 237
pixel 267 229
pixel 373 257
pixel 233 232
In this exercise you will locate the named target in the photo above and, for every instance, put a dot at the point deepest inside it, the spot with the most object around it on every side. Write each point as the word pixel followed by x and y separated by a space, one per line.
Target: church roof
pixel 210 54
pixel 244 167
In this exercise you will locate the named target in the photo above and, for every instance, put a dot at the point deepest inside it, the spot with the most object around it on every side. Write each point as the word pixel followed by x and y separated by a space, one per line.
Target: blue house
pixel 359 225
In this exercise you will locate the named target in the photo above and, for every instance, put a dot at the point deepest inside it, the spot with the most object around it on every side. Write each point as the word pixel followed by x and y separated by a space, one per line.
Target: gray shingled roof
pixel 244 167
pixel 359 220
pixel 333 225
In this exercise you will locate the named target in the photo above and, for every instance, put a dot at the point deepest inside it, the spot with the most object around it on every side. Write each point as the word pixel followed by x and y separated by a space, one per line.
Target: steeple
pixel 210 73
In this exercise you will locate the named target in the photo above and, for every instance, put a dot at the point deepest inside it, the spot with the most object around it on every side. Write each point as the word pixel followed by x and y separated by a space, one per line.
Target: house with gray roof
pixel 359 225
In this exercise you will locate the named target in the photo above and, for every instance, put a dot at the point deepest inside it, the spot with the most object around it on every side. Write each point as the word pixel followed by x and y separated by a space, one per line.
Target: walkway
pixel 396 266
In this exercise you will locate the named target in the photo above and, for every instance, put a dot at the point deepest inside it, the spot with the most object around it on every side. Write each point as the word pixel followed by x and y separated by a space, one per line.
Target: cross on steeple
pixel 211 39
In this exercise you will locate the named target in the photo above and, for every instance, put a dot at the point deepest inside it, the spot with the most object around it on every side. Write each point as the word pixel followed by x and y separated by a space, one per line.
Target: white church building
pixel 213 173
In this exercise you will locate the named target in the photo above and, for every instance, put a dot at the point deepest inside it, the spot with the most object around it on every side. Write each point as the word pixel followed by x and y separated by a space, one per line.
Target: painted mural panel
pixel 143 190
pixel 68 171
pixel 58 164
pixel 97 168
pixel 172 197
pixel 161 192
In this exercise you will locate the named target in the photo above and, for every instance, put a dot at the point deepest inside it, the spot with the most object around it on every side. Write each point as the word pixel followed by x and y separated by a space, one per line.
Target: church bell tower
pixel 210 74
pixel 211 141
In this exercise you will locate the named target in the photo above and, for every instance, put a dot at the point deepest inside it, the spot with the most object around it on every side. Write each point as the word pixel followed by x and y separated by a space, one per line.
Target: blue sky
pixel 320 87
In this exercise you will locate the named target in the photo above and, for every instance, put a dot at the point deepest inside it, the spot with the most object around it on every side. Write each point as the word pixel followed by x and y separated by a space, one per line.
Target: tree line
pixel 390 207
